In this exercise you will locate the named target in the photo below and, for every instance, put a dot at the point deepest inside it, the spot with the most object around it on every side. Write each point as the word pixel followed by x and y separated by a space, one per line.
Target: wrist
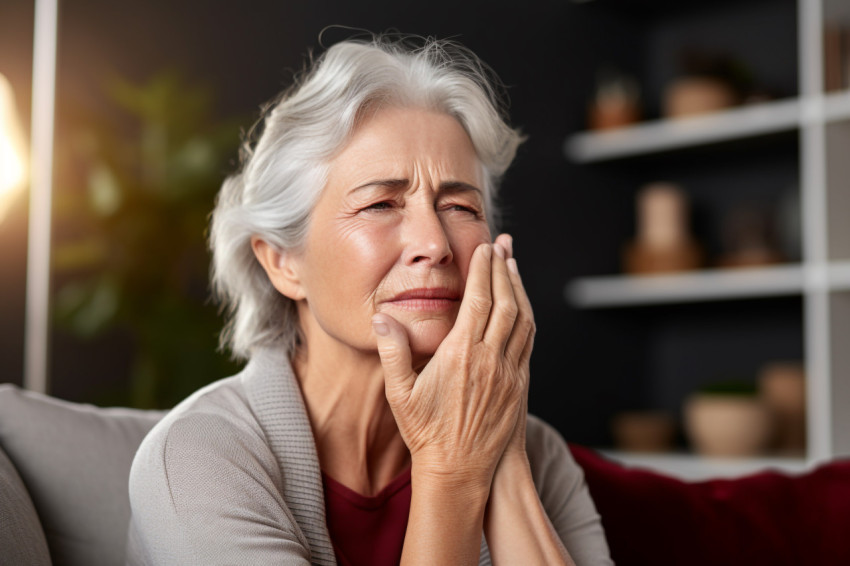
pixel 467 482
pixel 446 517
pixel 513 462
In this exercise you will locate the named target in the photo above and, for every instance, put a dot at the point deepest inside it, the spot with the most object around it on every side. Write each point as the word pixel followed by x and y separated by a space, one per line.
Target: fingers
pixel 491 302
pixel 394 350
pixel 522 334
pixel 507 242
pixel 504 310
pixel 477 298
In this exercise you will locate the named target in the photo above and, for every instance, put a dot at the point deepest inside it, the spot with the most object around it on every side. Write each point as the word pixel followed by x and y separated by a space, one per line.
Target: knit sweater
pixel 231 476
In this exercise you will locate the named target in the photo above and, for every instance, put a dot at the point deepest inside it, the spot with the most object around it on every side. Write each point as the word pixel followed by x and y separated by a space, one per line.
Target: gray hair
pixel 284 171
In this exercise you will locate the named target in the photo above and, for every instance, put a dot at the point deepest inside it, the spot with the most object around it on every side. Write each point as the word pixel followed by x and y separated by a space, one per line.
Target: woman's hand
pixel 516 445
pixel 467 406
pixel 463 419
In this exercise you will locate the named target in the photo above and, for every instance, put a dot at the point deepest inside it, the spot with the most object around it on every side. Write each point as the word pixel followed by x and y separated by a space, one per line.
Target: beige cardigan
pixel 231 476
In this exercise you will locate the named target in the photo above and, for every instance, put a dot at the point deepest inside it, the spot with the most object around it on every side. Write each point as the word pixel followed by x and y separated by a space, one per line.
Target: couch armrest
pixel 21 537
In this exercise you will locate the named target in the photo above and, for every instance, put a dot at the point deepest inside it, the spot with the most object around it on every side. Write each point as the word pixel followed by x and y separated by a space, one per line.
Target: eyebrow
pixel 399 184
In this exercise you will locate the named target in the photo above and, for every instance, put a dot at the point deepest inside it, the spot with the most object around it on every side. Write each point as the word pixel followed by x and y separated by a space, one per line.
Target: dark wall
pixel 16 36
pixel 247 50
pixel 567 220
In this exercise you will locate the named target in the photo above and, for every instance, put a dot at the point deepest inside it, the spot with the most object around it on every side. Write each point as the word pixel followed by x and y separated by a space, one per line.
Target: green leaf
pixel 104 191
pixel 88 308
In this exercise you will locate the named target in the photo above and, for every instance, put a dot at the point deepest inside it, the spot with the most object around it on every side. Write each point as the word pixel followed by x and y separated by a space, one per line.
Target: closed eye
pixel 383 205
pixel 462 208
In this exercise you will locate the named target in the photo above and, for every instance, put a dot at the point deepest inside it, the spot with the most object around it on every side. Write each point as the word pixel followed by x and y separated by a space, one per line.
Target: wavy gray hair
pixel 286 158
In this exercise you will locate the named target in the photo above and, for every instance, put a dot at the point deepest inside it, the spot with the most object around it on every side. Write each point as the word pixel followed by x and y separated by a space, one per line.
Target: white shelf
pixel 663 135
pixel 738 123
pixel 709 285
pixel 837 106
pixel 838 276
pixel 688 467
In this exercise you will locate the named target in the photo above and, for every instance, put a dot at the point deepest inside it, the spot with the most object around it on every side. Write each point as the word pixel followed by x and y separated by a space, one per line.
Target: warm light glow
pixel 12 161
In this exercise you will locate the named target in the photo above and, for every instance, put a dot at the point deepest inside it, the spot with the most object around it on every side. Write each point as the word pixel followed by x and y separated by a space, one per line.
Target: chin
pixel 426 336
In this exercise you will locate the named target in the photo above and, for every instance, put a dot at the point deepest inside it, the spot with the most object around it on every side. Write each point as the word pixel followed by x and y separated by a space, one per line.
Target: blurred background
pixel 676 208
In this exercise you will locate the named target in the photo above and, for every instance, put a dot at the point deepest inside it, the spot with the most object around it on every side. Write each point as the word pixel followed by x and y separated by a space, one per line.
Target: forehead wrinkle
pixel 398 185
pixel 393 184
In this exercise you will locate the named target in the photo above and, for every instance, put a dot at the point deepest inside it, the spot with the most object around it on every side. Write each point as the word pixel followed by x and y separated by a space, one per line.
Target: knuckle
pixel 526 306
pixel 389 354
pixel 480 305
pixel 529 326
pixel 461 355
pixel 514 388
pixel 519 388
pixel 524 327
pixel 508 309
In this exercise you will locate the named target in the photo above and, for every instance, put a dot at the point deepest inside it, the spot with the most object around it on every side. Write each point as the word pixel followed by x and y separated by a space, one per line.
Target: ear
pixel 281 268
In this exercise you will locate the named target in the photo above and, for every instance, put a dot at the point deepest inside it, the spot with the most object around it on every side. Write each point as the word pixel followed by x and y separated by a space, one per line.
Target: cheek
pixel 363 255
pixel 464 244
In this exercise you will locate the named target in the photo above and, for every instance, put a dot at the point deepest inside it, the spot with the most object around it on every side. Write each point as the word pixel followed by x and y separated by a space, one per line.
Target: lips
pixel 425 299
pixel 427 293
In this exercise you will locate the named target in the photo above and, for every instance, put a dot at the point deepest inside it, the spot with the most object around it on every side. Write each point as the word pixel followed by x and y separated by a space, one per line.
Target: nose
pixel 426 241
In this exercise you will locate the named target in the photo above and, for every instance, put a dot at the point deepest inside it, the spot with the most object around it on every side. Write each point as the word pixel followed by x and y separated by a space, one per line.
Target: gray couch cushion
pixel 75 461
pixel 21 538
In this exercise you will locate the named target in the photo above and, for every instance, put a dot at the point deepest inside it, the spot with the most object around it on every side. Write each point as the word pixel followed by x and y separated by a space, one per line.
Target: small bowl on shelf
pixel 727 425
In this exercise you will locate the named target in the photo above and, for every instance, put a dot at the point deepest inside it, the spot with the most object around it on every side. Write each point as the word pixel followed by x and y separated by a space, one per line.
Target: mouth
pixel 425 299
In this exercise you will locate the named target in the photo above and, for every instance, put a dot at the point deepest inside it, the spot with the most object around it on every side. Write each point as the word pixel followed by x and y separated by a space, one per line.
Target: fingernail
pixel 488 249
pixel 500 251
pixel 512 267
pixel 511 245
pixel 380 327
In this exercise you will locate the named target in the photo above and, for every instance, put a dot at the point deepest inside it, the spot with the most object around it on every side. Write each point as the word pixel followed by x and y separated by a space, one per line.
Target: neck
pixel 356 434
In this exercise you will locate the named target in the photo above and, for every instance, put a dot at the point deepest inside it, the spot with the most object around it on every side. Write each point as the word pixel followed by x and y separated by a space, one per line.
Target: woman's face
pixel 393 232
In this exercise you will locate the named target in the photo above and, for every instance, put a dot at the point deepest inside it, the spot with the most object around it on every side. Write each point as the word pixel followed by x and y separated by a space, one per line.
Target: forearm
pixel 517 528
pixel 446 521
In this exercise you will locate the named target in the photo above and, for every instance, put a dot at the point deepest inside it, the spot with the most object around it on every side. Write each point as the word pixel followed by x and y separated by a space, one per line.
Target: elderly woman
pixel 381 418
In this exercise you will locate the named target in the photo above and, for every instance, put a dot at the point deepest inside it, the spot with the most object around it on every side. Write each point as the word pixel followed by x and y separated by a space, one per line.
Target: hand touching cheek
pixel 464 409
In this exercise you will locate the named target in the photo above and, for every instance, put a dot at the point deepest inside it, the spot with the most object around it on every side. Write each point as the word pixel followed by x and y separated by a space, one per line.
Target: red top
pixel 367 531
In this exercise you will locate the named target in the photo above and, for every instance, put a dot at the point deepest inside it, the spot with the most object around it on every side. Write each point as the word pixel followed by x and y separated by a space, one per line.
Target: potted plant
pixel 131 218
pixel 727 419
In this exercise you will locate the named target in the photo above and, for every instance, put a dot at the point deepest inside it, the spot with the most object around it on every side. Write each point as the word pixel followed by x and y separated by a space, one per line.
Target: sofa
pixel 63 498
pixel 63 479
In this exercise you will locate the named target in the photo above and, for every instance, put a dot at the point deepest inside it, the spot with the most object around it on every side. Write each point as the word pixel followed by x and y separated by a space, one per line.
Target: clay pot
pixel 612 113
pixel 644 260
pixel 727 425
pixel 643 431
pixel 692 96
pixel 748 238
pixel 782 387
pixel 663 242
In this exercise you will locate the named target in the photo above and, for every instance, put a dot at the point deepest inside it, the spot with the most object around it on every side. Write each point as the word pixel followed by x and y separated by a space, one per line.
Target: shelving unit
pixel 730 125
pixel 821 279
